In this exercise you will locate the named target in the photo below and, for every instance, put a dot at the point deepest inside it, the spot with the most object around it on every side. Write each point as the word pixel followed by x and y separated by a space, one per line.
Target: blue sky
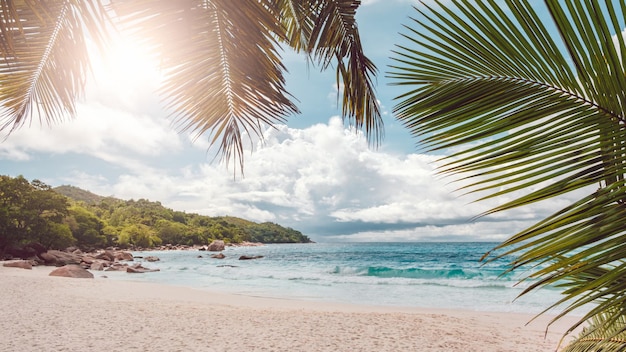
pixel 312 174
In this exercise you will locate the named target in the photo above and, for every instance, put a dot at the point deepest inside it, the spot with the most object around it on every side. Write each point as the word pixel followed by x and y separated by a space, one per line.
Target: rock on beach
pixel 72 270
pixel 24 264
pixel 74 263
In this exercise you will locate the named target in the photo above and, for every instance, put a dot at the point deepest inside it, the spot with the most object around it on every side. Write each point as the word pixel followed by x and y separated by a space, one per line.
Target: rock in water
pixel 127 256
pixel 140 269
pixel 106 255
pixel 249 257
pixel 216 246
pixel 72 270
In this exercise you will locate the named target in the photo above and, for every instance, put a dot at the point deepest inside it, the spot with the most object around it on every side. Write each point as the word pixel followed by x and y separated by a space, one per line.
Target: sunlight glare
pixel 127 69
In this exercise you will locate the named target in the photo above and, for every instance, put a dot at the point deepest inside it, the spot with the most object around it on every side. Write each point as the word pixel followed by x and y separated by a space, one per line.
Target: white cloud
pixel 324 181
pixel 120 121
pixel 470 231
pixel 99 131
pixel 12 152
pixel 334 94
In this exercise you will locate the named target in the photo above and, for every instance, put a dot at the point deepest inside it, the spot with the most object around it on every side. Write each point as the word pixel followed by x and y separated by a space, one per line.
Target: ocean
pixel 427 275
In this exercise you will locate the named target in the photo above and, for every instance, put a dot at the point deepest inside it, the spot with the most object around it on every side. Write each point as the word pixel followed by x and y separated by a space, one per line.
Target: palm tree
pixel 220 58
pixel 528 111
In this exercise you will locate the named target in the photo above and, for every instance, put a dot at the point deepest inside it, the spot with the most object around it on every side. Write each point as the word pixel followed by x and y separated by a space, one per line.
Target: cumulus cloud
pixel 98 130
pixel 323 180
pixel 463 232
pixel 119 121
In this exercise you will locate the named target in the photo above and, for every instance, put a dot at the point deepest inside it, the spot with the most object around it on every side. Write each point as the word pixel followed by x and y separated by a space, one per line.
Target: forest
pixel 64 216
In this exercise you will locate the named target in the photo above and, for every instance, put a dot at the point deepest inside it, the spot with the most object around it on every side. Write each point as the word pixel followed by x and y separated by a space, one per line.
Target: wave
pixel 421 273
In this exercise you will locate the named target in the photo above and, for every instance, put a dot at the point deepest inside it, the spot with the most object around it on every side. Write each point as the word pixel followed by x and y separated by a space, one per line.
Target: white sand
pixel 44 313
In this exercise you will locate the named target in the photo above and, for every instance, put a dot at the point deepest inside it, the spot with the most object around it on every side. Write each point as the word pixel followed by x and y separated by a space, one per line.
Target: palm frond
pixel 605 333
pixel 223 73
pixel 528 113
pixel 43 57
pixel 298 18
pixel 335 36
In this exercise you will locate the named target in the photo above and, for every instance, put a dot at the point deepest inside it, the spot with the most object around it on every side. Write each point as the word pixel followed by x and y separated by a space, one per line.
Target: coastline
pixel 47 313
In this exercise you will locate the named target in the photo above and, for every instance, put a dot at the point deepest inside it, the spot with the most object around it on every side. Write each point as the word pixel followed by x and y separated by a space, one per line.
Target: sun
pixel 126 67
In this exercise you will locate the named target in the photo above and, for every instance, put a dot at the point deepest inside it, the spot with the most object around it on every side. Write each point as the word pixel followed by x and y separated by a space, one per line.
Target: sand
pixel 44 313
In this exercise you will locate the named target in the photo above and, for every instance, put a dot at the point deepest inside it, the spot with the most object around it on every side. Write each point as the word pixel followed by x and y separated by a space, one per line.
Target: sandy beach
pixel 44 313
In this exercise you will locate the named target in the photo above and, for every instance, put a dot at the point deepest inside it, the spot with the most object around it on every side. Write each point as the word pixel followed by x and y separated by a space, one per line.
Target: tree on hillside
pixel 525 110
pixel 173 232
pixel 32 212
pixel 221 59
pixel 86 228
pixel 11 203
pixel 138 235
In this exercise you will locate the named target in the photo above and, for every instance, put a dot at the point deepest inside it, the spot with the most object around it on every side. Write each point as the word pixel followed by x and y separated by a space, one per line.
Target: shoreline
pixel 54 314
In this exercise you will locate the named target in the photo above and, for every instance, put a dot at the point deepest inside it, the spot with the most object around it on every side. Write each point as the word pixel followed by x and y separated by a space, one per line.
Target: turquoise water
pixel 431 275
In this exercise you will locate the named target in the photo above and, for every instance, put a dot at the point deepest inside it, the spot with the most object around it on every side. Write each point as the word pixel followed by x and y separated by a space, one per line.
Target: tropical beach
pixel 47 313
pixel 506 201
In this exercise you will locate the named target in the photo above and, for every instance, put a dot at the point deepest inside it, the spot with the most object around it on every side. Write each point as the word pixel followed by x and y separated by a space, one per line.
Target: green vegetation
pixel 530 110
pixel 66 216
pixel 523 107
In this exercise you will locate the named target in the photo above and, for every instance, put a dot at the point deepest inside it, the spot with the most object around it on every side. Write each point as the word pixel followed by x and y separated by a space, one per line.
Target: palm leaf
pixel 223 74
pixel 43 57
pixel 527 113
pixel 335 38
pixel 298 18
pixel 597 337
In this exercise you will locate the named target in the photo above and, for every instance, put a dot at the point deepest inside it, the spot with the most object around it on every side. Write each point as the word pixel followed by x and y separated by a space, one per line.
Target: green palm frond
pixel 327 31
pixel 298 18
pixel 335 38
pixel 43 57
pixel 530 112
pixel 600 337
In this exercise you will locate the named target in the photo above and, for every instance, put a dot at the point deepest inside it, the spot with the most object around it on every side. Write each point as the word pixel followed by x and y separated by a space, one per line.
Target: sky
pixel 313 174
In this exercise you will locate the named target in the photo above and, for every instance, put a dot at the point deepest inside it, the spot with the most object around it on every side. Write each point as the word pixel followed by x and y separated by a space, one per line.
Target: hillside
pixel 78 194
pixel 176 227
pixel 77 217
